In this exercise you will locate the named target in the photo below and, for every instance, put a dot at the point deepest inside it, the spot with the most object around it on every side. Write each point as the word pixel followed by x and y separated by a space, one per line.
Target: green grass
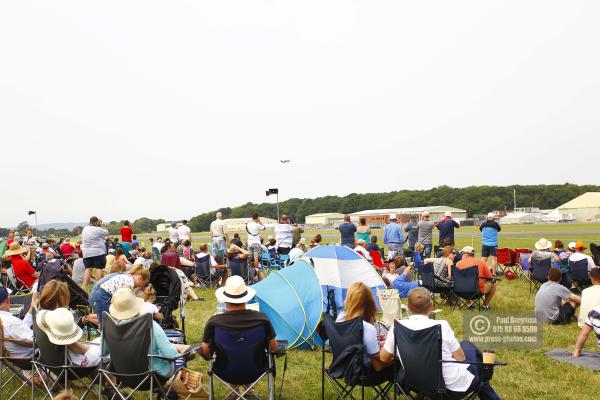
pixel 529 375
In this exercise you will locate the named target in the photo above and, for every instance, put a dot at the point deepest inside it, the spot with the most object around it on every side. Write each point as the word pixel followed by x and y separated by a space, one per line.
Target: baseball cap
pixel 468 249
pixel 580 245
pixel 393 216
pixel 491 215
pixel 448 214
pixel 572 245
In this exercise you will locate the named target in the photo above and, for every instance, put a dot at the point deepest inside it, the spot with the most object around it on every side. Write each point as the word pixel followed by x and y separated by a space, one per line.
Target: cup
pixel 489 356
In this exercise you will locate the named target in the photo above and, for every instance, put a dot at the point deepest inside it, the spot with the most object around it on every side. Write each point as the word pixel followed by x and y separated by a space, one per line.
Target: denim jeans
pixel 472 353
pixel 100 301
pixel 427 250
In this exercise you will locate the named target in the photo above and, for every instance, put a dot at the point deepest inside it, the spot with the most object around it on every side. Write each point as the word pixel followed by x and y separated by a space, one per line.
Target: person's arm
pixel 429 260
pixel 459 355
pixel 79 348
pixel 575 299
pixel 456 224
pixel 449 266
pixel 205 350
pixel 583 335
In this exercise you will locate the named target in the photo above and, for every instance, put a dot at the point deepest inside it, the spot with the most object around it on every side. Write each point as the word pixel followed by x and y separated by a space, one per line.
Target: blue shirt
pixel 412 233
pixel 347 230
pixel 402 286
pixel 489 233
pixel 392 233
pixel 446 228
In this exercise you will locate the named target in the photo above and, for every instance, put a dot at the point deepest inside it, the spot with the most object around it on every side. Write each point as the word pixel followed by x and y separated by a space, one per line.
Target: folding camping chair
pixel 346 342
pixel 241 357
pixel 240 267
pixel 504 259
pixel 419 368
pixel 466 287
pixel 579 274
pixel 15 284
pixel 15 369
pixel 129 345
pixel 391 306
pixel 431 282
pixel 539 272
pixel 377 260
pixel 525 268
pixel 53 367
pixel 204 273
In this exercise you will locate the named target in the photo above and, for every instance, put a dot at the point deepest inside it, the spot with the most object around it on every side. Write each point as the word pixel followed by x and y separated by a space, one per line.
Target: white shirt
pixel 283 235
pixel 218 228
pixel 213 262
pixel 363 252
pixel 295 253
pixel 173 235
pixel 184 232
pixel 590 298
pixel 580 256
pixel 93 241
pixel 148 308
pixel 456 376
pixel 158 245
pixel 253 229
pixel 16 329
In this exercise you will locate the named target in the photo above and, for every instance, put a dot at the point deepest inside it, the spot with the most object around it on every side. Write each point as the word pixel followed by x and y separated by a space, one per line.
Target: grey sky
pixel 168 109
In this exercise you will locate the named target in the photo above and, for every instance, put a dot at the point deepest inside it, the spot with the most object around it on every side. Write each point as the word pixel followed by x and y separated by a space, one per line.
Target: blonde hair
pixel 148 294
pixel 117 266
pixel 360 303
pixel 54 295
pixel 419 247
pixel 141 271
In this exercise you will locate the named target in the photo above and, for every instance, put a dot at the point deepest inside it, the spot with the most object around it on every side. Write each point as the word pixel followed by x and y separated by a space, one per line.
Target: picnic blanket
pixel 588 359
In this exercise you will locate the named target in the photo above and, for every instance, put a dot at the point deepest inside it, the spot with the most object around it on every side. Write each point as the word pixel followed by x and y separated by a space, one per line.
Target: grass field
pixel 529 375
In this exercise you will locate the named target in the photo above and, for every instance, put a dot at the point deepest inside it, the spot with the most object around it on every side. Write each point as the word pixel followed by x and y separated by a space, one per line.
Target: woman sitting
pixel 442 267
pixel 361 304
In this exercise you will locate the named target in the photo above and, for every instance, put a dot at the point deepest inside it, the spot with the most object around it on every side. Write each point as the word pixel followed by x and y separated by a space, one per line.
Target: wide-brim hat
pixel 125 304
pixel 235 291
pixel 59 325
pixel 14 249
pixel 543 244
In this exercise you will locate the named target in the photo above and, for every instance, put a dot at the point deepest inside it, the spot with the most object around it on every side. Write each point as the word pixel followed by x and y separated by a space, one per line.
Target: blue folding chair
pixel 579 274
pixel 239 267
pixel 539 272
pixel 241 357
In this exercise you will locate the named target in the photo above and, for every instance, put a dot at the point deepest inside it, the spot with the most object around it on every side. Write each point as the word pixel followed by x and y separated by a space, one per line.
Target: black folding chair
pixel 54 369
pixel 579 274
pixel 241 358
pixel 204 273
pixel 466 287
pixel 129 345
pixel 15 369
pixel 436 285
pixel 346 342
pixel 14 283
pixel 239 267
pixel 539 272
pixel 419 365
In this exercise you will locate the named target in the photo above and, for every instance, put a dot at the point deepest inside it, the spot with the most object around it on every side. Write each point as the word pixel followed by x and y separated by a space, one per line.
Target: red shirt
pixel 23 270
pixel 171 259
pixel 484 270
pixel 126 233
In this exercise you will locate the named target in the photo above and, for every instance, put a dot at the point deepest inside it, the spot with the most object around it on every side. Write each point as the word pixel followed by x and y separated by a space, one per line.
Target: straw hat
pixel 125 304
pixel 59 325
pixel 14 249
pixel 235 291
pixel 543 244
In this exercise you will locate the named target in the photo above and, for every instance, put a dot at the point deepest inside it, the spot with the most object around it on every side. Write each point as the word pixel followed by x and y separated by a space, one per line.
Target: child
pixel 149 296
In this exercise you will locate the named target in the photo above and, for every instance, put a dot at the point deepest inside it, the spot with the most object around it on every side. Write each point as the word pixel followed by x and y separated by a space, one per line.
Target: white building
pixel 163 227
pixel 239 224
pixel 324 219
pixel 583 208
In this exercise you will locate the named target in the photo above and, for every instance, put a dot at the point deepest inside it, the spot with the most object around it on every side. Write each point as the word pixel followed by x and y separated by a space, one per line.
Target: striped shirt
pixel 593 320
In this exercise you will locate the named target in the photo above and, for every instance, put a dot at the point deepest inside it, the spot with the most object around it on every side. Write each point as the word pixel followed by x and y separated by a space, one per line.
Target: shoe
pixel 486 306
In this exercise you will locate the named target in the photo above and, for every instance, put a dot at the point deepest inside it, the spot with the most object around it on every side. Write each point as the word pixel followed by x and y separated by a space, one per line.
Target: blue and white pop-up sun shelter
pixel 293 301
pixel 338 267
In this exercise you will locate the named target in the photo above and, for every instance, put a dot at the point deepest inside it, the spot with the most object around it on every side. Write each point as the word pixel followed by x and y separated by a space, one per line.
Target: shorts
pixel 283 250
pixel 487 251
pixel 565 314
pixel 255 251
pixel 98 262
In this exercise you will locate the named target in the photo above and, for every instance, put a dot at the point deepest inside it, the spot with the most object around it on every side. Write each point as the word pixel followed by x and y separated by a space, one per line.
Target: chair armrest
pixel 490 279
pixel 495 364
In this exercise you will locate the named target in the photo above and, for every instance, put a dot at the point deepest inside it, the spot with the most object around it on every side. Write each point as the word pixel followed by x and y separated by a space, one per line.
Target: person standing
pixel 489 241
pixel 347 231
pixel 446 227
pixel 363 231
pixel 283 235
pixel 94 249
pixel 412 232
pixel 173 235
pixel 218 230
pixel 126 232
pixel 254 247
pixel 425 234
pixel 393 237
pixel 184 232
pixel 296 235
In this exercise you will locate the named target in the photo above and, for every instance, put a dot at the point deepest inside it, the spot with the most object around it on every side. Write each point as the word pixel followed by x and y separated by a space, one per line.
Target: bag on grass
pixel 188 385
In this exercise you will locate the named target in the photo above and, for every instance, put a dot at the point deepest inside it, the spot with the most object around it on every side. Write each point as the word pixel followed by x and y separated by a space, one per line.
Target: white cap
pixel 448 214
pixel 491 215
pixel 393 216
pixel 468 250
pixel 572 245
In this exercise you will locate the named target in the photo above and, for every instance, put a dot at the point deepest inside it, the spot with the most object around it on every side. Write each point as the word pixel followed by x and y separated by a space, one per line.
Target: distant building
pixel 330 220
pixel 163 227
pixel 382 216
pixel 583 208
pixel 239 224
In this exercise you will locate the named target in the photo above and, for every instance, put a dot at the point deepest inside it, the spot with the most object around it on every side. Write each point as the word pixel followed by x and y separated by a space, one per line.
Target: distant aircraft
pixel 284 161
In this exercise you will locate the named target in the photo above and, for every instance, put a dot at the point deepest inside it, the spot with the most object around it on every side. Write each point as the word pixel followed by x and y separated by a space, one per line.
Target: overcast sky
pixel 124 109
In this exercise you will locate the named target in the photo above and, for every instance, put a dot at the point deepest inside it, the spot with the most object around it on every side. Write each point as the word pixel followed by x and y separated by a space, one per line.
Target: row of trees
pixel 474 199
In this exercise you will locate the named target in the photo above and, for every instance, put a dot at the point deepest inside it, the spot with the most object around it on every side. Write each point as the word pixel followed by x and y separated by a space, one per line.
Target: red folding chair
pixel 377 261
pixel 522 272
pixel 503 259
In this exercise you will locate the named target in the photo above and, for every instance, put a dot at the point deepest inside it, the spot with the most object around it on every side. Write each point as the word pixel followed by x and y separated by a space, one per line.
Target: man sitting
pixel 459 378
pixel 217 271
pixel 486 286
pixel 580 247
pixel 361 248
pixel 554 303
pixel 297 251
pixel 590 297
pixel 15 329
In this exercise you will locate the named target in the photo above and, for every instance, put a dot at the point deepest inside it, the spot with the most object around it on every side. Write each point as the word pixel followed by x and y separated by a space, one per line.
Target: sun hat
pixel 572 245
pixel 491 215
pixel 543 244
pixel 579 245
pixel 468 250
pixel 59 325
pixel 125 304
pixel 14 249
pixel 235 291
